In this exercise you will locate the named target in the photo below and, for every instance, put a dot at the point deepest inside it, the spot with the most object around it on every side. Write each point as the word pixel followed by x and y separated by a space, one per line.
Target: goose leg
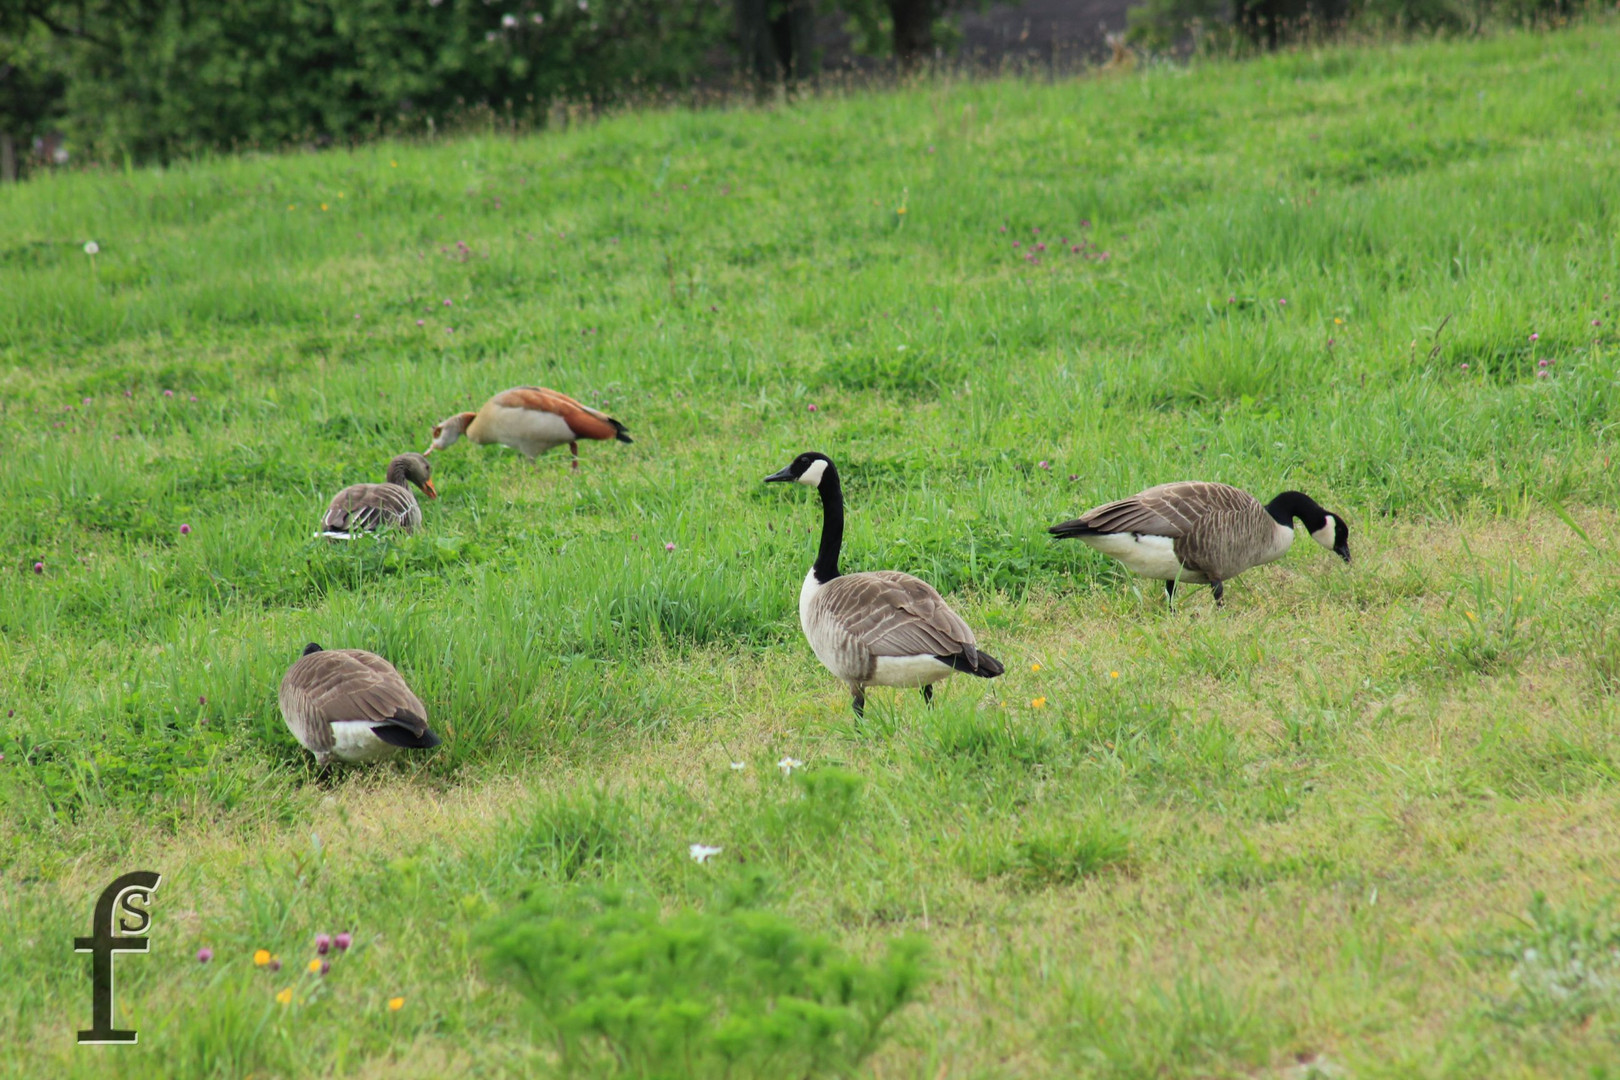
pixel 860 704
pixel 928 694
pixel 1170 591
pixel 323 771
pixel 574 446
pixel 1220 592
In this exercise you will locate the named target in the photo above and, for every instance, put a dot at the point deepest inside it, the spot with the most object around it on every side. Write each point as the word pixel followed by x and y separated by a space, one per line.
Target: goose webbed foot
pixel 1220 593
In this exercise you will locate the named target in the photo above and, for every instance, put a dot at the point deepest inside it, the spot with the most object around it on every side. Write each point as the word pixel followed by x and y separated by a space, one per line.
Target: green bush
pixel 177 77
pixel 620 990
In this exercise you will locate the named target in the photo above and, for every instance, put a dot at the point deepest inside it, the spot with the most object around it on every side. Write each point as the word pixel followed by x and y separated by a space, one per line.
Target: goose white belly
pixel 354 741
pixel 1150 556
pixel 909 671
pixel 529 431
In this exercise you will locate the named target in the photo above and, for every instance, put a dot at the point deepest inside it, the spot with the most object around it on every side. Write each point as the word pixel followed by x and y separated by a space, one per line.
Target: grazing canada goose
pixel 1201 533
pixel 531 420
pixel 364 507
pixel 351 705
pixel 882 627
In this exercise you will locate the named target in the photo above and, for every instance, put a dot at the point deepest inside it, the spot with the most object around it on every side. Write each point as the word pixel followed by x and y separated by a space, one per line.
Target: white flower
pixel 738 766
pixel 788 764
pixel 92 248
pixel 509 21
pixel 702 853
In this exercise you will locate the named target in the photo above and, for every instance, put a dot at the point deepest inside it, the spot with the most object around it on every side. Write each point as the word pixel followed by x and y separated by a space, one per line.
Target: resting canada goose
pixel 531 420
pixel 351 705
pixel 1201 533
pixel 882 627
pixel 363 507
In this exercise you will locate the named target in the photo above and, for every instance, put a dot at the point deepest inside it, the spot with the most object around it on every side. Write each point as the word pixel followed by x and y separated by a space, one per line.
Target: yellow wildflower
pixel 1035 666
pixel 323 206
pixel 1470 614
pixel 261 958
pixel 395 1004
pixel 899 209
pixel 1338 322
pixel 292 206
pixel 1038 703
pixel 393 164
pixel 285 996
pixel 313 967
pixel 1113 674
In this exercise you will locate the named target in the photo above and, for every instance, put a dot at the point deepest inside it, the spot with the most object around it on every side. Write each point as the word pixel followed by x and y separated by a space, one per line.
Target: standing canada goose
pixel 364 507
pixel 1202 533
pixel 351 705
pixel 882 627
pixel 531 420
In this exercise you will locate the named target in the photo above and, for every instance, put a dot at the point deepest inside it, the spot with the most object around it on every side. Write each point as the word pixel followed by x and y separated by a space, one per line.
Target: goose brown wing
pixel 339 685
pixel 895 614
pixel 1170 510
pixel 582 420
pixel 360 507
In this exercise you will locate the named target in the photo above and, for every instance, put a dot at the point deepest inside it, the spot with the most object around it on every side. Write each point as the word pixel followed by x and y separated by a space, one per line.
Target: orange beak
pixel 427 486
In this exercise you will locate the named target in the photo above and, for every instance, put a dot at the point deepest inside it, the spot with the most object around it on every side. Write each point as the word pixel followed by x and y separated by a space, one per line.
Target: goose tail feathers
pixel 981 664
pixel 1077 527
pixel 619 431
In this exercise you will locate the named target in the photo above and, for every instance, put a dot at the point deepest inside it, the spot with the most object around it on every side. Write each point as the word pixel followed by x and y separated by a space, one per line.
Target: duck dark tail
pixel 619 431
pixel 981 664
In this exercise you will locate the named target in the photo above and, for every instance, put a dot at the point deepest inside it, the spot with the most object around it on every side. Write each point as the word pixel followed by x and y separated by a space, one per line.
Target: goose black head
pixel 1325 528
pixel 807 469
pixel 311 647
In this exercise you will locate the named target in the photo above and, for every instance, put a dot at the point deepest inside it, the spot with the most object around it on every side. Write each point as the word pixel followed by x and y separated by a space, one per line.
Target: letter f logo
pixel 103 942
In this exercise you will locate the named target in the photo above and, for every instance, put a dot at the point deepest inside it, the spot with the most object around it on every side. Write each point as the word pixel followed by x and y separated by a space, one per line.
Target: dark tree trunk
pixel 913 31
pixel 8 159
pixel 776 38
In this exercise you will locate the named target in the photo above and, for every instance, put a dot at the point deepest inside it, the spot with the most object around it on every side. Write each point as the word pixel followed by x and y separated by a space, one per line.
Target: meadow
pixel 1360 822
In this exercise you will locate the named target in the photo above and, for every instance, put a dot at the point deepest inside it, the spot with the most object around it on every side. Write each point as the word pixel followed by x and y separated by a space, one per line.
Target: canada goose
pixel 1202 533
pixel 882 627
pixel 531 420
pixel 363 507
pixel 351 705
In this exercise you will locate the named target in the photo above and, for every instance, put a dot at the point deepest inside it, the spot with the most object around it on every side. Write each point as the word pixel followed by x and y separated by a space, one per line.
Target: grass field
pixel 1362 821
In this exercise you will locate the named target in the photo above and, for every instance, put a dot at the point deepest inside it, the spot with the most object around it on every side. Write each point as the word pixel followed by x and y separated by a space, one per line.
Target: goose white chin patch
pixel 812 476
pixel 1324 535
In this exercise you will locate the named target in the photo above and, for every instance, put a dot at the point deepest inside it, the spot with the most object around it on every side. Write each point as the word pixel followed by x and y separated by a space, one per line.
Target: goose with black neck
pixel 1203 533
pixel 878 627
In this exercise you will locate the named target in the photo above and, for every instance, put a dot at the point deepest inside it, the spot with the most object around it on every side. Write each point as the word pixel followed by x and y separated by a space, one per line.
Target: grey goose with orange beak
pixel 1202 533
pixel 881 627
pixel 351 705
pixel 367 507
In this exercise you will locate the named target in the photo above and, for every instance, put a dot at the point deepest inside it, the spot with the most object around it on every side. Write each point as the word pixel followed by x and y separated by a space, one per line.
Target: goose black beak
pixel 780 476
pixel 1343 552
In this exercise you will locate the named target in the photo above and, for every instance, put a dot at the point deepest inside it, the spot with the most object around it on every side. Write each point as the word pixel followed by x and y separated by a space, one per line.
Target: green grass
pixel 1322 826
